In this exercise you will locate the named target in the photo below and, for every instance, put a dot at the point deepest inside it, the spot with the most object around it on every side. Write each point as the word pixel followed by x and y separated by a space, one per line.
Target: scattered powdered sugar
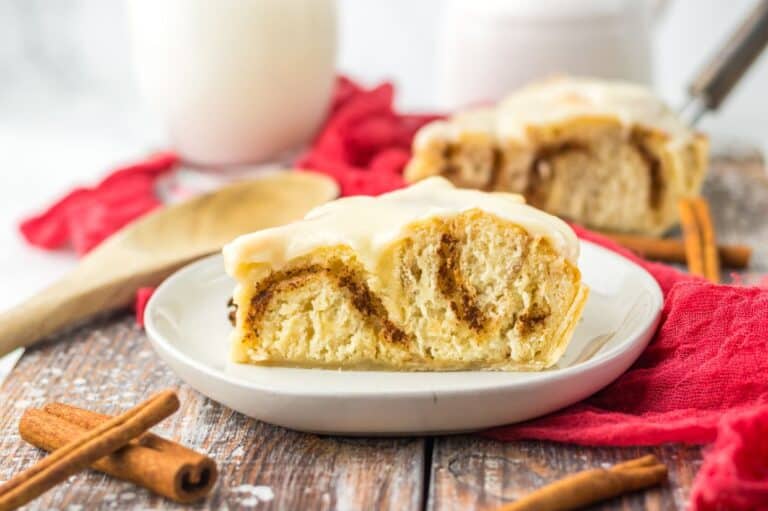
pixel 239 452
pixel 254 494
pixel 36 392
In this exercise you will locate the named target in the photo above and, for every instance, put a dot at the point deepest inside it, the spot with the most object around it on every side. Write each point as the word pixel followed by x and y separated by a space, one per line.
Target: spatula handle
pixel 724 69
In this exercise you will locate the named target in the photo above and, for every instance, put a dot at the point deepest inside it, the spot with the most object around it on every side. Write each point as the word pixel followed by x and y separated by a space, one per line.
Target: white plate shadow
pixel 186 320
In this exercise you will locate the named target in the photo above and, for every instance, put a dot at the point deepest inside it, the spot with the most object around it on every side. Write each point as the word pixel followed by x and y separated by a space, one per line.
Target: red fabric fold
pixel 709 356
pixel 143 294
pixel 365 143
pixel 734 475
pixel 86 216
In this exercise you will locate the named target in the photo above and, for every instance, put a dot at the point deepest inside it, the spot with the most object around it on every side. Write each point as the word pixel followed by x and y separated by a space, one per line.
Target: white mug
pixel 237 81
pixel 489 47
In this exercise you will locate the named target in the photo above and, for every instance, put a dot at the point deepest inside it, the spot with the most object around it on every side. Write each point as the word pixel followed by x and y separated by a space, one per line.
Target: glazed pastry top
pixel 559 99
pixel 369 224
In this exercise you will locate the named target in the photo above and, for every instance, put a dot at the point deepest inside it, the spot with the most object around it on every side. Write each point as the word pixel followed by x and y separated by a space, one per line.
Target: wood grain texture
pixel 737 190
pixel 469 472
pixel 109 366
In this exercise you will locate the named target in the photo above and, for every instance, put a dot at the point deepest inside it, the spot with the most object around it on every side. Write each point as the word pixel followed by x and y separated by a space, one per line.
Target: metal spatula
pixel 723 71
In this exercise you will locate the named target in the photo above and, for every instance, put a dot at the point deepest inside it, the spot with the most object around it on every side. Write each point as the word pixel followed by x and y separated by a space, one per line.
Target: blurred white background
pixel 69 109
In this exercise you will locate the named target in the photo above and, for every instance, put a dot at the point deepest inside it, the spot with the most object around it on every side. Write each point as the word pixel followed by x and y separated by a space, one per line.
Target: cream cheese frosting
pixel 369 224
pixel 559 99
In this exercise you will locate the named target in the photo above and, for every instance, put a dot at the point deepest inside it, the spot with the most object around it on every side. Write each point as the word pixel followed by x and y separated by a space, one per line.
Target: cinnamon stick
pixel 673 250
pixel 591 486
pixel 84 450
pixel 150 461
pixel 699 238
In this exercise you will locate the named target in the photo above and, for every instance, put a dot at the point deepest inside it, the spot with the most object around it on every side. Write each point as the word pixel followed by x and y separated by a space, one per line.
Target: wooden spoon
pixel 148 250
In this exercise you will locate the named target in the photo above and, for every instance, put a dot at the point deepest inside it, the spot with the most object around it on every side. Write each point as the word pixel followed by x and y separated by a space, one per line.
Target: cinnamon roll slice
pixel 429 278
pixel 609 155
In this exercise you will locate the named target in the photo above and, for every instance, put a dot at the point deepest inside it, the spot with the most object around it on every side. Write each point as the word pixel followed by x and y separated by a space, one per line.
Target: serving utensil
pixel 725 68
pixel 153 247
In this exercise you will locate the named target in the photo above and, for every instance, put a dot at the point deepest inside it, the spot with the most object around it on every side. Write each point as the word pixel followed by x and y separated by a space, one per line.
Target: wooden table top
pixel 108 365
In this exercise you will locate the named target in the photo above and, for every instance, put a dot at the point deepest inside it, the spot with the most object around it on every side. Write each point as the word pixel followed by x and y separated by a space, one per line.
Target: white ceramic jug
pixel 489 47
pixel 237 81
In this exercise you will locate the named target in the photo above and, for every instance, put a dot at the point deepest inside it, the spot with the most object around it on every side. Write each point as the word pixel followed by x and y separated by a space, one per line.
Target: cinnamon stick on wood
pixel 673 250
pixel 84 450
pixel 591 486
pixel 150 461
pixel 699 238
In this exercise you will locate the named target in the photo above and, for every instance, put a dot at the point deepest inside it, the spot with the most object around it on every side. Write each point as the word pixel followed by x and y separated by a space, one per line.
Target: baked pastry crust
pixel 441 287
pixel 609 155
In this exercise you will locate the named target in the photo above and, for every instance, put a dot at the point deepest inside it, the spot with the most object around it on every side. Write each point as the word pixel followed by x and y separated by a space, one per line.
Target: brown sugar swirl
pixel 367 303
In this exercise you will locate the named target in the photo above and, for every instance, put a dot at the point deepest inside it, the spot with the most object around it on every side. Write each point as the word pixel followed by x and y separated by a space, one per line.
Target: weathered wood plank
pixel 109 366
pixel 469 472
pixel 737 190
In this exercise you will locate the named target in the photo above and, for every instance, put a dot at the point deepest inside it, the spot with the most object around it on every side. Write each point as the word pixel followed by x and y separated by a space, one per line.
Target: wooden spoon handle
pixel 57 307
pixel 68 302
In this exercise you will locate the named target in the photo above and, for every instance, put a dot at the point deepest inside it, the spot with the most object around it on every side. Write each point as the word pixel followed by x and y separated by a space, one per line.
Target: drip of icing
pixel 559 99
pixel 369 224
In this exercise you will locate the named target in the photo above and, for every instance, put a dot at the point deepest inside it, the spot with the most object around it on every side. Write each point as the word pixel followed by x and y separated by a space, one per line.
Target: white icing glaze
pixel 370 224
pixel 482 120
pixel 559 99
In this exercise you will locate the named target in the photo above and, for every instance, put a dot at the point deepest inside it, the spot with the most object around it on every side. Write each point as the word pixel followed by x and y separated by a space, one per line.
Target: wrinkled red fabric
pixel 365 143
pixel 703 378
pixel 86 216
pixel 734 475
pixel 709 356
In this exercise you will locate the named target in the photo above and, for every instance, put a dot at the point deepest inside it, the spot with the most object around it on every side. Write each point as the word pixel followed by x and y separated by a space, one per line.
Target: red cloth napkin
pixel 704 377
pixel 734 475
pixel 84 217
pixel 143 294
pixel 709 356
pixel 364 144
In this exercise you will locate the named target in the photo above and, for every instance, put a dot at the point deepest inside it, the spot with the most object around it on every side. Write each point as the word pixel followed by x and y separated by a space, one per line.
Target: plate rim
pixel 163 345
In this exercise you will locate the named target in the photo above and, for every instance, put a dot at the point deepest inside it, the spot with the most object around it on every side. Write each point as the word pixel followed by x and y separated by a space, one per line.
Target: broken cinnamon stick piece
pixel 150 461
pixel 86 449
pixel 699 238
pixel 673 250
pixel 591 486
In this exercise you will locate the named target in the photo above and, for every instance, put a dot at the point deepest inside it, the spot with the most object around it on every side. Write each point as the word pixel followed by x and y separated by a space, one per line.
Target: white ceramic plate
pixel 186 320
